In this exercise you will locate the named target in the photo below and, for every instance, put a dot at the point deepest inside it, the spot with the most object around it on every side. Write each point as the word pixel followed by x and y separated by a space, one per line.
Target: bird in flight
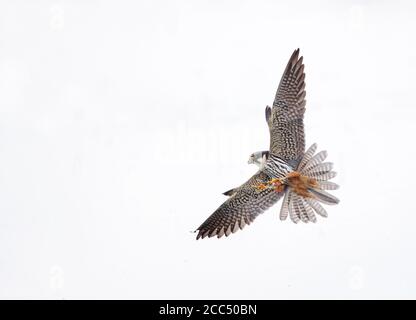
pixel 285 170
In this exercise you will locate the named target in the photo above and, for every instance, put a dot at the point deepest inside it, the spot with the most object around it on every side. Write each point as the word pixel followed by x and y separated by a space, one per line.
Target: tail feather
pixel 328 185
pixel 293 215
pixel 308 155
pixel 324 176
pixel 309 210
pixel 320 168
pixel 324 196
pixel 284 211
pixel 303 207
pixel 317 207
pixel 300 209
pixel 316 159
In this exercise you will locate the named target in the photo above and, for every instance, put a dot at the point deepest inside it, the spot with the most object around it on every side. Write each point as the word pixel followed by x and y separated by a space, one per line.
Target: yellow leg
pixel 274 183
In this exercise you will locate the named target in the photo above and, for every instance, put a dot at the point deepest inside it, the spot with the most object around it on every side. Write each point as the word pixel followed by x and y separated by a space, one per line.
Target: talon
pixel 275 184
pixel 274 181
pixel 261 186
pixel 293 174
pixel 279 188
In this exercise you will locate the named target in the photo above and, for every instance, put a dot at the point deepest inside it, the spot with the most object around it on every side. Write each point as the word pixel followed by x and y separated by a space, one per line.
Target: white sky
pixel 122 122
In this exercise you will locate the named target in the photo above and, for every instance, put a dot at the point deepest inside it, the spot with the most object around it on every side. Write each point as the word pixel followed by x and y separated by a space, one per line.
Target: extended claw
pixel 279 188
pixel 262 186
pixel 278 184
pixel 274 183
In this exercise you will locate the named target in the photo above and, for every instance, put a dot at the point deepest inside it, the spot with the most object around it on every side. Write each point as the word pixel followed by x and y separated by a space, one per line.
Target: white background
pixel 121 123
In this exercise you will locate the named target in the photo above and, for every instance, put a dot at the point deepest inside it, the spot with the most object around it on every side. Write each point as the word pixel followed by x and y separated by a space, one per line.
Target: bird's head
pixel 252 158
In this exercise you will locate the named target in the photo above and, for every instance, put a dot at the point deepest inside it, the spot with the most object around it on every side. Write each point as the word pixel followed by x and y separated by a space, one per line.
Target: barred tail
pixel 301 208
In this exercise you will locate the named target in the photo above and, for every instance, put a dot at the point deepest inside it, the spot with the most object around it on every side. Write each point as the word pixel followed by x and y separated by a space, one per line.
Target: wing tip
pixel 198 235
pixel 229 192
pixel 268 114
pixel 295 55
pixel 223 231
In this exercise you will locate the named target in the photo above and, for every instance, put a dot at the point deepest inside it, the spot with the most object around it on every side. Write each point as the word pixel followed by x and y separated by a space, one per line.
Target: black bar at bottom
pixel 206 309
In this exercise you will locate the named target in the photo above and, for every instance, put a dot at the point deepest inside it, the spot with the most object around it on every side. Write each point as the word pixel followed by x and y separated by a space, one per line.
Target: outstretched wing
pixel 244 205
pixel 285 119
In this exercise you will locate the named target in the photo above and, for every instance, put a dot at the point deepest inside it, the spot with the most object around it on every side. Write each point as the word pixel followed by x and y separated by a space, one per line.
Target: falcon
pixel 285 170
